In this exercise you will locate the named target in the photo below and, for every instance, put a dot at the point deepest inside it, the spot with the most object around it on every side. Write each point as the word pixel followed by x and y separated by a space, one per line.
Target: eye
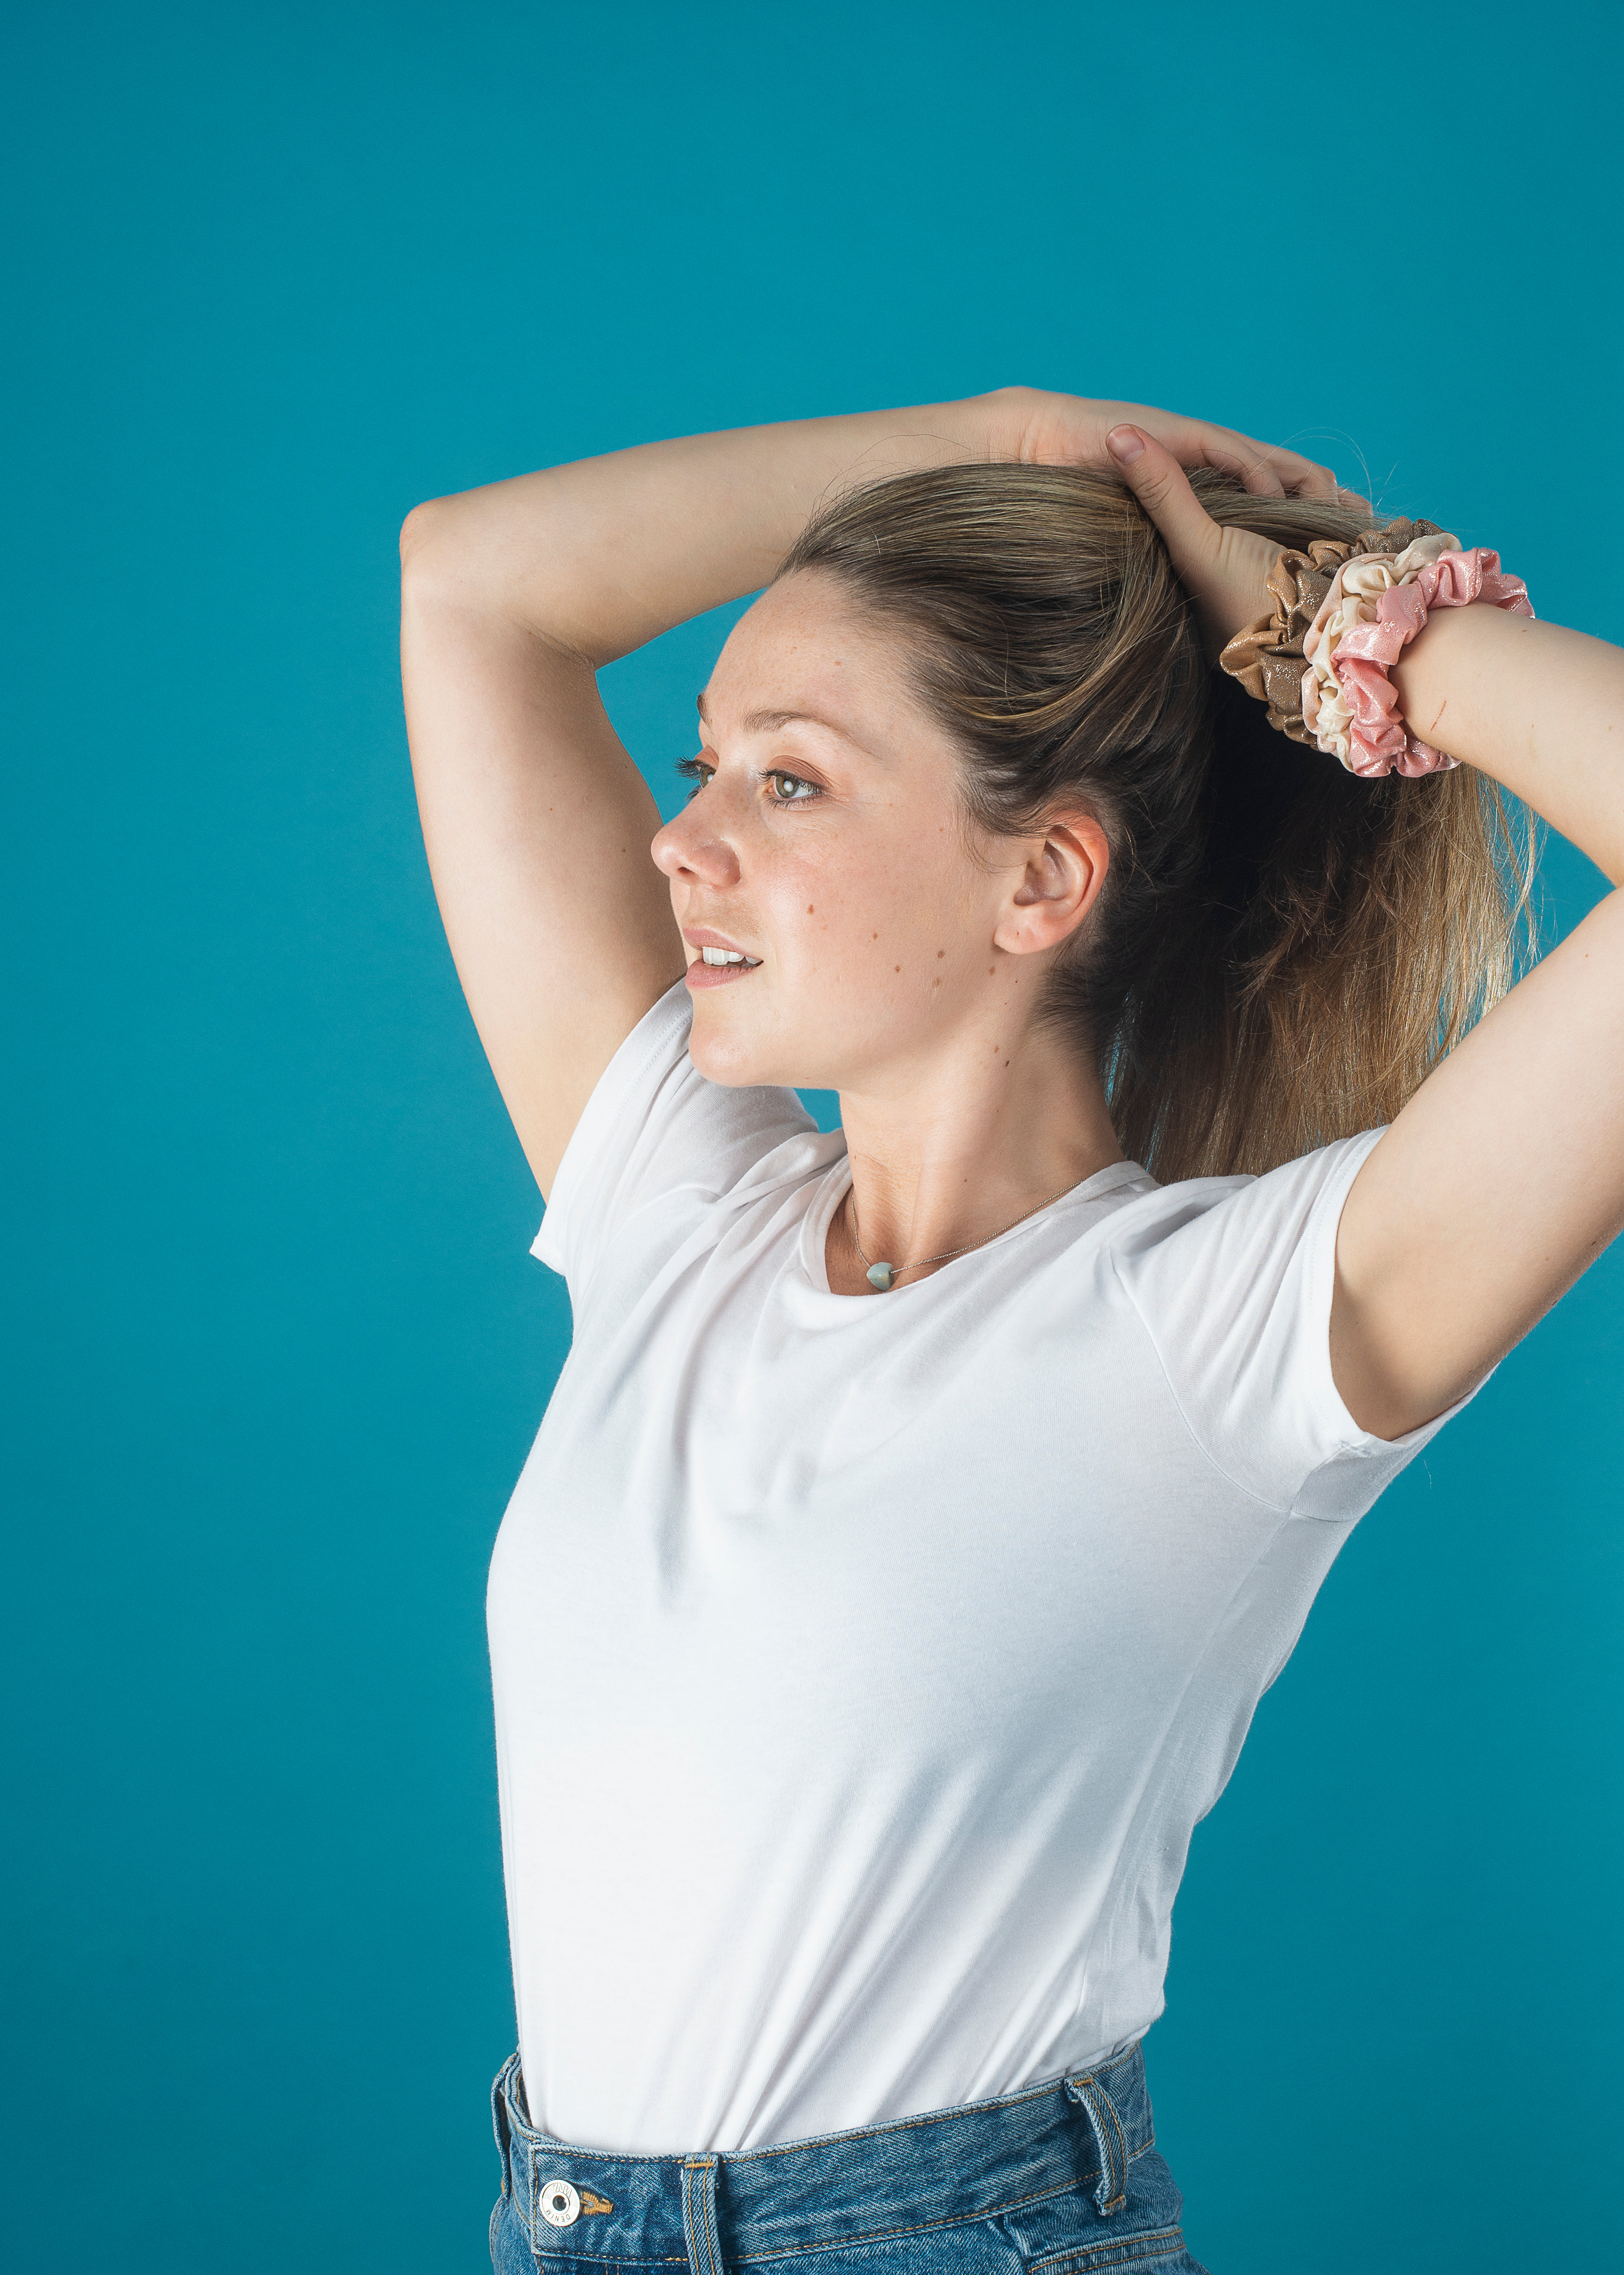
pixel 697 771
pixel 791 790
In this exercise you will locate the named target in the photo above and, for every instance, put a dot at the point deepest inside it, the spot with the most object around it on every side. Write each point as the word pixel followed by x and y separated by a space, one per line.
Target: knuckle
pixel 1309 479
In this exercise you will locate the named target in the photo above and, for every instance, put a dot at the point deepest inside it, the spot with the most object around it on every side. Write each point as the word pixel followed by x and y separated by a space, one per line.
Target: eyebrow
pixel 768 723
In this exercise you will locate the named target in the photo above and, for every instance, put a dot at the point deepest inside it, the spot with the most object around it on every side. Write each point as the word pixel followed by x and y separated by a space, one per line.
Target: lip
pixel 702 936
pixel 700 974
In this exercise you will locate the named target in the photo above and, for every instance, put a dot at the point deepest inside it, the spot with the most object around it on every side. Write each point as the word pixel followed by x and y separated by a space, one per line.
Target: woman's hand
pixel 1224 568
pixel 1072 430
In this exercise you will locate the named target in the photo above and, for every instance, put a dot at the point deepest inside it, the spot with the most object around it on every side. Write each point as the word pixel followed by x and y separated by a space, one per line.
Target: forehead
pixel 802 651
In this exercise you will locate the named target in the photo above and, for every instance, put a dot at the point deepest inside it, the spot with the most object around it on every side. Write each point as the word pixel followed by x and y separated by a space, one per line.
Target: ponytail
pixel 1282 950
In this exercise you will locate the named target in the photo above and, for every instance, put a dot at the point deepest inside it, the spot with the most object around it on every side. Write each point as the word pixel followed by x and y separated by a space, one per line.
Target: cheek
pixel 896 925
pixel 875 944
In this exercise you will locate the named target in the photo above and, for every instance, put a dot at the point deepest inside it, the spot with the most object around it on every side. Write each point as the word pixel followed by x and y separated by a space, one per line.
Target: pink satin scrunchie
pixel 1377 741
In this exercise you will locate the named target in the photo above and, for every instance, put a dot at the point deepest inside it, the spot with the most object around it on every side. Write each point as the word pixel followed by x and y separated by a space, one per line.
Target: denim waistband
pixel 715 2209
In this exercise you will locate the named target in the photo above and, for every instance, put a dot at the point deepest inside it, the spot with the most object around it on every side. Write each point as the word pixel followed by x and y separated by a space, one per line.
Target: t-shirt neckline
pixel 838 1182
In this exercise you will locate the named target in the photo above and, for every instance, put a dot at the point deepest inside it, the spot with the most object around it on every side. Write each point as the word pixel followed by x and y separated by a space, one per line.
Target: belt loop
pixel 1112 2194
pixel 699 2215
pixel 499 2121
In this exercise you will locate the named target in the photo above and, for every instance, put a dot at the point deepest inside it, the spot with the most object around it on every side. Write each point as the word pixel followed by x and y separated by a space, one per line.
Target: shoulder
pixel 1217 1266
pixel 1232 1279
pixel 1236 1215
pixel 655 1130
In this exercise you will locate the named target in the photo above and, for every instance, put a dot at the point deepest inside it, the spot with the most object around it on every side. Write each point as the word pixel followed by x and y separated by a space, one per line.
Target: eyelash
pixel 699 773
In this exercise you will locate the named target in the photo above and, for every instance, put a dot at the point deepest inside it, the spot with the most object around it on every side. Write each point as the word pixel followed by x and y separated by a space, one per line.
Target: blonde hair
pixel 1282 951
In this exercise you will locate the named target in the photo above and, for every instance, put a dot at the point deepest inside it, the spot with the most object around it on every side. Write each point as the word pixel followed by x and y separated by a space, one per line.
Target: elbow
pixel 441 557
pixel 424 534
pixel 465 553
pixel 454 549
pixel 413 531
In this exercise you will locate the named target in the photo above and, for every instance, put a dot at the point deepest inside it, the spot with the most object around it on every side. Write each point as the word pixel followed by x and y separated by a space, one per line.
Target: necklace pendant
pixel 881 1276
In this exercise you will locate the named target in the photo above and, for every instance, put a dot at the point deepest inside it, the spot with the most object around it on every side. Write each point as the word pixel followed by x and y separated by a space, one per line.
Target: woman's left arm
pixel 1504 1176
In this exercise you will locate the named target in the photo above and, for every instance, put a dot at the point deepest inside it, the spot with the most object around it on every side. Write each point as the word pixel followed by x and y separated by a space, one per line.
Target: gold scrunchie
pixel 1267 656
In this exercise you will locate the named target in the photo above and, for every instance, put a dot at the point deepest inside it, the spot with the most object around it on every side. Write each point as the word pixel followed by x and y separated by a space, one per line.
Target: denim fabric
pixel 1061 2178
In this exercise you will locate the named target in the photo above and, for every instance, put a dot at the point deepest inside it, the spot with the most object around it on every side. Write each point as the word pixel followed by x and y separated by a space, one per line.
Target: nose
pixel 691 846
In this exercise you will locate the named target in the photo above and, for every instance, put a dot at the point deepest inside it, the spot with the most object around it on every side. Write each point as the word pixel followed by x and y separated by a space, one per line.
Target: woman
pixel 923 1509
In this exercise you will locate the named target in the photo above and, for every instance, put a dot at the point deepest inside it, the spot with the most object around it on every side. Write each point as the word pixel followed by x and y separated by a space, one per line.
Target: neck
pixel 949 1153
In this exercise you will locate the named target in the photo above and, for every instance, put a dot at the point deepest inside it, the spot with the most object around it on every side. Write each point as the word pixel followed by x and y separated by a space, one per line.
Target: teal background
pixel 276 1349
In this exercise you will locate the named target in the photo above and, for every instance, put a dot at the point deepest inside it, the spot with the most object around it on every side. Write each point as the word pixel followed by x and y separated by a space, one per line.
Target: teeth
pixel 725 956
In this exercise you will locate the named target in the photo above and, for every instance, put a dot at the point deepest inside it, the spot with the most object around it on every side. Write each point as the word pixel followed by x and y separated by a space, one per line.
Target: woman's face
pixel 826 842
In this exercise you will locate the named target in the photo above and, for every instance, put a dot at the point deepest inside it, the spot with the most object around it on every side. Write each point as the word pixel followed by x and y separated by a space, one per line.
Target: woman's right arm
pixel 537 823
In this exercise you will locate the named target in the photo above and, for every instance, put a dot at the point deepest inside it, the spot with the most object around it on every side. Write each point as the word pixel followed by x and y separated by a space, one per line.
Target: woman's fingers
pixel 1267 469
pixel 1225 568
pixel 1272 473
pixel 1297 476
pixel 1069 429
pixel 1193 443
pixel 1253 463
pixel 1302 478
pixel 1162 487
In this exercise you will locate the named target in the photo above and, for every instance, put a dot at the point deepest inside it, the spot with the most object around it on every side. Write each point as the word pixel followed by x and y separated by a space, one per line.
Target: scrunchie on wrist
pixel 1352 608
pixel 1267 657
pixel 1373 609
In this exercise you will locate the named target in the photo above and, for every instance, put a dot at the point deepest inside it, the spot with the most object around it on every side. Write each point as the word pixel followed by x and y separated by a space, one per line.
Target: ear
pixel 1059 883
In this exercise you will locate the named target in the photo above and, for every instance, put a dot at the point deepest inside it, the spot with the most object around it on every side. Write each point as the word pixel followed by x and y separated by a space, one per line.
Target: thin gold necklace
pixel 885 1277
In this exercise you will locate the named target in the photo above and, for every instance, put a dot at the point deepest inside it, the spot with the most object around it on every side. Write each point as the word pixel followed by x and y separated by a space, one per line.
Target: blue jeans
pixel 1061 2180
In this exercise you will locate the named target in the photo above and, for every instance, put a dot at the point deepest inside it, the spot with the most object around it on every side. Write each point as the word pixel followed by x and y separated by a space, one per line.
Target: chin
pixel 737 1062
pixel 737 1053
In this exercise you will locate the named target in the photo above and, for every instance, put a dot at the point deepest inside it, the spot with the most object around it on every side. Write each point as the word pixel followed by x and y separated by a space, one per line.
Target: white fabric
pixel 862 1664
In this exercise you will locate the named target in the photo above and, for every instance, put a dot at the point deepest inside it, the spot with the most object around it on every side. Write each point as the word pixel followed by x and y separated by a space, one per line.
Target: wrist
pixel 1004 424
pixel 1441 678
pixel 1380 603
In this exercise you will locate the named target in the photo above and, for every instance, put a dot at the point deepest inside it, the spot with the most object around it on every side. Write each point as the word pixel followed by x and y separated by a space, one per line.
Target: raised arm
pixel 1504 1176
pixel 537 822
pixel 538 825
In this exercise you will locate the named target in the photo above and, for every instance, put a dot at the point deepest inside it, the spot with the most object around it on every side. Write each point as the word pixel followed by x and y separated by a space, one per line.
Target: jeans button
pixel 561 2206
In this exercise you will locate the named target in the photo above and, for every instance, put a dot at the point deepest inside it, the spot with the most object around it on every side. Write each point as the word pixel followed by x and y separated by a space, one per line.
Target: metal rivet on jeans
pixel 560 2205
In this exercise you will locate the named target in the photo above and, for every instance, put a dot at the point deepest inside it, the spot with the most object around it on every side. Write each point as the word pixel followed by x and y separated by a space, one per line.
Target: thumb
pixel 1159 483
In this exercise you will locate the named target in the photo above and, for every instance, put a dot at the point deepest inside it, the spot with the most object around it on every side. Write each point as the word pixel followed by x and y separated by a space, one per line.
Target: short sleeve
pixel 1233 1285
pixel 655 1131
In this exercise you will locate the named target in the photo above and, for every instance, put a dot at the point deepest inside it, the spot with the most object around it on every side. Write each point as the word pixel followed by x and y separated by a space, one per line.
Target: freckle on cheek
pixel 810 909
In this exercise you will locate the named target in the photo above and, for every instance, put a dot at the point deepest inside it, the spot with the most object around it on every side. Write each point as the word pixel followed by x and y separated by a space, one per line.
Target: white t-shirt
pixel 863 1664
